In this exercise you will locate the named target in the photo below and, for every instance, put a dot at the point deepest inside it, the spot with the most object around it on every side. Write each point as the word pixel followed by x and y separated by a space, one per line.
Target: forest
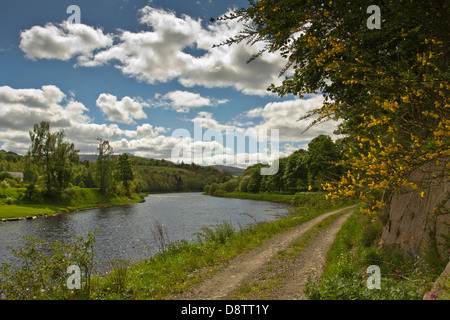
pixel 303 170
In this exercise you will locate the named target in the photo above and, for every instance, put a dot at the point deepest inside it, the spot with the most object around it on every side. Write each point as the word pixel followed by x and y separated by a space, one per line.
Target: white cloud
pixel 184 101
pixel 20 109
pixel 159 55
pixel 124 111
pixel 285 116
pixel 145 131
pixel 62 41
pixel 158 146
pixel 205 119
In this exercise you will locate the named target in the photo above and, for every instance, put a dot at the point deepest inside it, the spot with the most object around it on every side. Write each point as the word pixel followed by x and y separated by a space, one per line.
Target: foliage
pixel 303 170
pixel 104 166
pixel 355 248
pixel 41 272
pixel 321 161
pixel 54 156
pixel 166 176
pixel 296 172
pixel 219 234
pixel 124 171
pixel 254 182
pixel 388 87
pixel 10 161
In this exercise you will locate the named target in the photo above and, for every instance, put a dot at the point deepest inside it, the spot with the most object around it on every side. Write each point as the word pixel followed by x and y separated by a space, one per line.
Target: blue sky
pixel 133 72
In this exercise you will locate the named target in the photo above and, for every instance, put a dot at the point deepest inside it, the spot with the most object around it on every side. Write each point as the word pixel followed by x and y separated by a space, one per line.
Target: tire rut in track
pixel 225 281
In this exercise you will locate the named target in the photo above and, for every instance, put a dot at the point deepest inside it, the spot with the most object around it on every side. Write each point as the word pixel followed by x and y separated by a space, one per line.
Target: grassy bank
pixel 355 249
pixel 73 199
pixel 294 199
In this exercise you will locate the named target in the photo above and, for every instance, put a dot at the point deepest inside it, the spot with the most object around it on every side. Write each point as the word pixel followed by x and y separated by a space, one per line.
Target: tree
pixel 255 181
pixel 389 87
pixel 276 182
pixel 178 183
pixel 321 161
pixel 243 184
pixel 295 172
pixel 104 165
pixel 54 156
pixel 125 171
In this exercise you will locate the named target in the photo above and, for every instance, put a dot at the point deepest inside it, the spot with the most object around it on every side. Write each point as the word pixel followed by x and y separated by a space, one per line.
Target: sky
pixel 148 77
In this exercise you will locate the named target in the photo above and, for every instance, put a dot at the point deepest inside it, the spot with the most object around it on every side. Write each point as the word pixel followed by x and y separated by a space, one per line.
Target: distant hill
pixel 232 170
pixel 88 157
pixel 8 152
pixel 222 168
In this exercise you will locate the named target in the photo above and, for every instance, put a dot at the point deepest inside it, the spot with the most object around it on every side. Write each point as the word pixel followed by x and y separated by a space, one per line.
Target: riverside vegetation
pixel 181 265
pixel 177 267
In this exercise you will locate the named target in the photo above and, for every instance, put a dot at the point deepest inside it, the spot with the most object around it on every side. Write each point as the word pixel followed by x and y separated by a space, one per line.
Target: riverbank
pixel 79 199
pixel 185 264
pixel 287 198
pixel 293 199
pixel 179 265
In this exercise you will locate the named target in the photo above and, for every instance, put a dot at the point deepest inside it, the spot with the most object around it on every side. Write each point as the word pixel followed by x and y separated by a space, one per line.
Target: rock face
pixel 411 222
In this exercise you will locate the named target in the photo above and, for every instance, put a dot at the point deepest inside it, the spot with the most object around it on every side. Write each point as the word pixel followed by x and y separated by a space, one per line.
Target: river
pixel 125 231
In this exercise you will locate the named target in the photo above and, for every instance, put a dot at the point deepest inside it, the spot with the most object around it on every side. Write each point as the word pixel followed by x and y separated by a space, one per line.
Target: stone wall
pixel 411 221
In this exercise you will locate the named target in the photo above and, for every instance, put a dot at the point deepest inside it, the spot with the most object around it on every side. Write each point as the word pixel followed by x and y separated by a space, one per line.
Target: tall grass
pixel 354 250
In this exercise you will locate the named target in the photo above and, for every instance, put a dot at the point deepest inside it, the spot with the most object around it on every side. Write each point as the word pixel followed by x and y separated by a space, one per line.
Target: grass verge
pixel 294 199
pixel 355 249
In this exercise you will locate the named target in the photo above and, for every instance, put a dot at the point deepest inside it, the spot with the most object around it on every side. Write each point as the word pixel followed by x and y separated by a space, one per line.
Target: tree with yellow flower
pixel 389 86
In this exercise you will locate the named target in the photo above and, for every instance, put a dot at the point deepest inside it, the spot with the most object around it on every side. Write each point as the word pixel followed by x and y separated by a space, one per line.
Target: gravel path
pixel 309 263
pixel 225 281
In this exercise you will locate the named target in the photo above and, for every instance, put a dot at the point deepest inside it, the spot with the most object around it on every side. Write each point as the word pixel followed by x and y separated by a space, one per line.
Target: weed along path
pixel 280 268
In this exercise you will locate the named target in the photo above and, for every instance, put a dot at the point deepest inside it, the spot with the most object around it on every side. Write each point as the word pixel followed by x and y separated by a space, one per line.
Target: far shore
pixel 16 212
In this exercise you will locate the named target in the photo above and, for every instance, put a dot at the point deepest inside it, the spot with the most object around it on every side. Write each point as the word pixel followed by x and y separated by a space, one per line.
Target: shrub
pixel 33 193
pixel 5 175
pixel 354 249
pixel 41 270
pixel 230 186
pixel 213 188
pixel 219 193
pixel 219 234
pixel 4 185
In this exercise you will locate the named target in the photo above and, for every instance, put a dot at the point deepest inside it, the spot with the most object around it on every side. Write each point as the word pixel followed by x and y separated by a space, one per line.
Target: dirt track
pixel 247 266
